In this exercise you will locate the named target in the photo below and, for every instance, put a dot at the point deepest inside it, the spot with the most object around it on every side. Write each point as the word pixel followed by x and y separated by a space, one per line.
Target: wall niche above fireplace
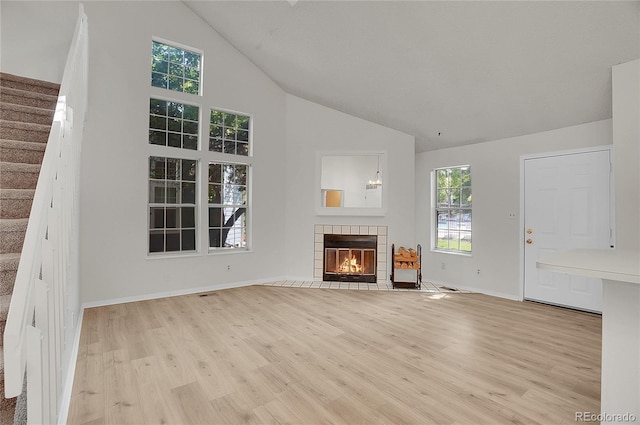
pixel 351 184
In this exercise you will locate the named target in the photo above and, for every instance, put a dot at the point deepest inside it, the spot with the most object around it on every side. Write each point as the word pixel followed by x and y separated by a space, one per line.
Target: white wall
pixel 626 140
pixel 116 150
pixel 36 36
pixel 496 193
pixel 311 129
pixel 114 263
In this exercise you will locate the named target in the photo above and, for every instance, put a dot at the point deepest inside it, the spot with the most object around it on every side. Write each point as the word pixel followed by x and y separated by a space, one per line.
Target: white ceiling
pixel 450 73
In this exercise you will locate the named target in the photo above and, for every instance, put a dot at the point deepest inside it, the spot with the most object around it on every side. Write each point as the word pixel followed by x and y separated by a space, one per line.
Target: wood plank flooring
pixel 263 355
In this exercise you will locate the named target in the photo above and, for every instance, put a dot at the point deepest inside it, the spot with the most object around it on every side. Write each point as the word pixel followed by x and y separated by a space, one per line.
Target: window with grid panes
pixel 228 205
pixel 172 204
pixel 453 209
pixel 173 124
pixel 229 133
pixel 174 68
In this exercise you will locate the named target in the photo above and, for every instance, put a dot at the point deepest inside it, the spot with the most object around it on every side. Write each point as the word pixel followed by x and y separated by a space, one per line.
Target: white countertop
pixel 610 264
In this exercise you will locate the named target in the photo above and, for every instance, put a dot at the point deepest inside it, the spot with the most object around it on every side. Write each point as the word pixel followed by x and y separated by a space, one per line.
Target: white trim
pixel 523 158
pixel 452 252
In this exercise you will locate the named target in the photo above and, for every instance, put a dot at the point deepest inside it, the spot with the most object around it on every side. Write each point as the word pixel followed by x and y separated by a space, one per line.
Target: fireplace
pixel 350 258
pixel 320 230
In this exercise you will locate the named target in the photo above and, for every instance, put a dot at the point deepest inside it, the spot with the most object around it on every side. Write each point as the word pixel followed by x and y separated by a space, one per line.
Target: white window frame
pixel 246 206
pixel 181 133
pixel 184 48
pixel 177 205
pixel 203 158
pixel 219 157
pixel 435 210
pixel 249 129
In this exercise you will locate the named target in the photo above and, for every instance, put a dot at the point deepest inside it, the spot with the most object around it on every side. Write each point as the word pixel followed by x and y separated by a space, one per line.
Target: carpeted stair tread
pixel 6 194
pixel 27 132
pixel 16 203
pixel 28 98
pixel 12 232
pixel 29 84
pixel 26 114
pixel 8 269
pixel 13 224
pixel 19 151
pixel 18 176
pixel 5 301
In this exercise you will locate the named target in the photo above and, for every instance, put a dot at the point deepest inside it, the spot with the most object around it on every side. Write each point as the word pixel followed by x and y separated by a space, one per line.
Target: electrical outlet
pixel 478 271
pixel 511 215
pixel 443 266
pixel 228 267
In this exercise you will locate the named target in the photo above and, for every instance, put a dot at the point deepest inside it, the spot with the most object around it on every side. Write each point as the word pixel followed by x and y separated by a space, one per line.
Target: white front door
pixel 567 205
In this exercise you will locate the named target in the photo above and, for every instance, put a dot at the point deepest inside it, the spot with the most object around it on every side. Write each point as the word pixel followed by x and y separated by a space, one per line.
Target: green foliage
pixel 453 187
pixel 174 68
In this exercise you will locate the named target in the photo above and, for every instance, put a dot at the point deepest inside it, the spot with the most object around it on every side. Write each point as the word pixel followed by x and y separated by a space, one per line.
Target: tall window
pixel 228 205
pixel 174 68
pixel 453 207
pixel 181 167
pixel 229 133
pixel 172 202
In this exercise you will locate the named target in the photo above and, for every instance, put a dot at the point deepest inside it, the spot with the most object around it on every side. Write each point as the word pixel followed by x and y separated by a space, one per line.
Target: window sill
pixel 460 253
pixel 164 255
pixel 223 251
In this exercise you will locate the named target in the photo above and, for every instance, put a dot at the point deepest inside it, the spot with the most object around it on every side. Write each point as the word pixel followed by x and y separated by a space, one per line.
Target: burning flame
pixel 350 265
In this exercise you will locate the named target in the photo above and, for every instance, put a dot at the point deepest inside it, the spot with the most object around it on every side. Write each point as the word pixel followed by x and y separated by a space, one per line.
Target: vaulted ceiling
pixel 450 73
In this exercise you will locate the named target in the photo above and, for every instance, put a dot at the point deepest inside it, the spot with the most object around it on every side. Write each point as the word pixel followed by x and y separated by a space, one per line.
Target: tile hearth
pixel 426 286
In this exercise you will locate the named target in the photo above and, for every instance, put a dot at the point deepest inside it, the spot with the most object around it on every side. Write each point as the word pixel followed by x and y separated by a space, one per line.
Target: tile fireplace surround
pixel 323 229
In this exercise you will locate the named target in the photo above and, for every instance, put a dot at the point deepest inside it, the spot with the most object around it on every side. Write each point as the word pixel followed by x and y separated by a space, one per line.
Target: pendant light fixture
pixel 377 181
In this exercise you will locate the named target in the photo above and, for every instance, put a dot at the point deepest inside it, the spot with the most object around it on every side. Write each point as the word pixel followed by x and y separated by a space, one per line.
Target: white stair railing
pixel 42 319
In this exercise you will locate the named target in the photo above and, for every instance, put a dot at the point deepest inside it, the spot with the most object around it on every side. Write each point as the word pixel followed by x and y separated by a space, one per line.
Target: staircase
pixel 26 113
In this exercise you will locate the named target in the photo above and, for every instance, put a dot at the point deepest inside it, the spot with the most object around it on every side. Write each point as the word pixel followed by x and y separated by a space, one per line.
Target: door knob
pixel 529 231
pixel 529 241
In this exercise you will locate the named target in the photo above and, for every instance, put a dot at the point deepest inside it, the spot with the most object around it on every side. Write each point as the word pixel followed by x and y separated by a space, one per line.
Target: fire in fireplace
pixel 350 258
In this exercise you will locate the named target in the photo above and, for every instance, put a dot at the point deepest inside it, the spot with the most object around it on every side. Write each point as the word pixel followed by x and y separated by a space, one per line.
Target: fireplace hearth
pixel 350 258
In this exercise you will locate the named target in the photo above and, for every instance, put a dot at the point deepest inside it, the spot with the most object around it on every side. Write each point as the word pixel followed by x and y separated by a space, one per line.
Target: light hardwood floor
pixel 264 354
